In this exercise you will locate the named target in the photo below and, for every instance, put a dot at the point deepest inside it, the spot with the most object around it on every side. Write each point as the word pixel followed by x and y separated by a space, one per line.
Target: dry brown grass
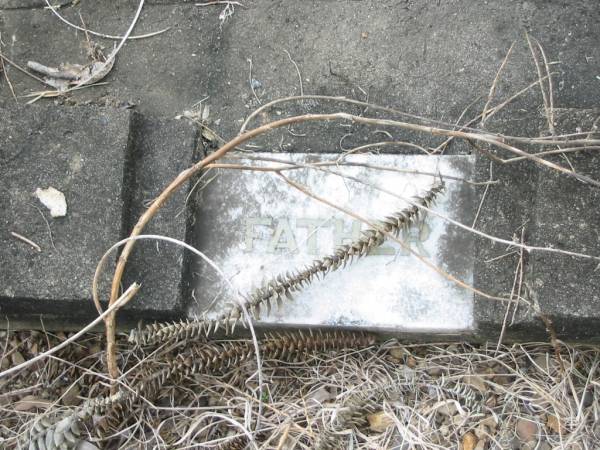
pixel 388 395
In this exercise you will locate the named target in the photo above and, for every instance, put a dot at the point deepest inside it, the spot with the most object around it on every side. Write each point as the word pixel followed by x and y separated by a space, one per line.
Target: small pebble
pixel 527 430
pixel 469 441
pixel 17 358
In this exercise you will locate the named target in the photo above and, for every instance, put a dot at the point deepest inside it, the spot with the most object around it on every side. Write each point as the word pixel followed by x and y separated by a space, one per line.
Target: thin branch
pixel 16 66
pixel 102 35
pixel 27 241
pixel 121 301
pixel 550 89
pixel 494 84
pixel 484 195
pixel 527 248
pixel 3 70
pixel 544 95
pixel 297 70
pixel 288 165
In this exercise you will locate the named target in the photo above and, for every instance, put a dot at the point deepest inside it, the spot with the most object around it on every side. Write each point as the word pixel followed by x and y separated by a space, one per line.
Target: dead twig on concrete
pixel 487 186
pixel 74 77
pixel 493 87
pixel 102 35
pixel 16 66
pixel 547 106
pixel 297 71
pixel 251 81
pixel 515 290
pixel 27 241
pixel 3 70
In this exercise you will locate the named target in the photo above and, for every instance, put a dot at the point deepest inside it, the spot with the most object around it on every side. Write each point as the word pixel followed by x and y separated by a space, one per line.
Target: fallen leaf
pixel 320 396
pixel 476 382
pixel 469 441
pixel 31 402
pixel 54 200
pixel 70 396
pixel 379 421
pixel 553 423
pixel 17 358
pixel 526 430
pixel 95 71
pixel 398 352
pixel 545 362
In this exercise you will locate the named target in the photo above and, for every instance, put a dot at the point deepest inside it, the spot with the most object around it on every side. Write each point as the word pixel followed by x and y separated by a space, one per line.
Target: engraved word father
pixel 281 234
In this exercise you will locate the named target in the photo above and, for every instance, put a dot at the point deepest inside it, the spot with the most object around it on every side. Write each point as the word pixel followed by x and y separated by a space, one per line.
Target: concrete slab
pixel 567 289
pixel 410 57
pixel 427 58
pixel 254 226
pixel 160 150
pixel 546 210
pixel 80 152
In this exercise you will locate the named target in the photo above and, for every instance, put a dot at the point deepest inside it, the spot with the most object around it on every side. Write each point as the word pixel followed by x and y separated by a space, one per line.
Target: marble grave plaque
pixel 254 226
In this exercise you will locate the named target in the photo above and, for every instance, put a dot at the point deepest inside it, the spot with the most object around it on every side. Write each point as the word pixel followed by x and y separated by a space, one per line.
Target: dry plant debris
pixel 282 287
pixel 323 391
pixel 175 388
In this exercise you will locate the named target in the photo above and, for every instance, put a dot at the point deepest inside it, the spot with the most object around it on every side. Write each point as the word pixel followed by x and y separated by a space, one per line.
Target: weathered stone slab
pixel 80 152
pixel 546 210
pixel 160 150
pixel 566 216
pixel 255 226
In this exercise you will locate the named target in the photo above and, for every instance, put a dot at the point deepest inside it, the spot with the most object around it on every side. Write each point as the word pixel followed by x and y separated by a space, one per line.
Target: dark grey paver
pixel 81 152
pixel 567 217
pixel 161 149
pixel 429 58
pixel 554 211
pixel 407 56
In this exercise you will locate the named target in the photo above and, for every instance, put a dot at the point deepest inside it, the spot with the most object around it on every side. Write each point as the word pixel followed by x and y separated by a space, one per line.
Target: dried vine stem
pixel 284 285
pixel 184 176
pixel 188 173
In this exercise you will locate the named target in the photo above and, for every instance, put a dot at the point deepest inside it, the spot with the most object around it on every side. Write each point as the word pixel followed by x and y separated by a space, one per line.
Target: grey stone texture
pixel 422 57
pixel 161 149
pixel 109 163
pixel 81 152
pixel 556 212
pixel 567 217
